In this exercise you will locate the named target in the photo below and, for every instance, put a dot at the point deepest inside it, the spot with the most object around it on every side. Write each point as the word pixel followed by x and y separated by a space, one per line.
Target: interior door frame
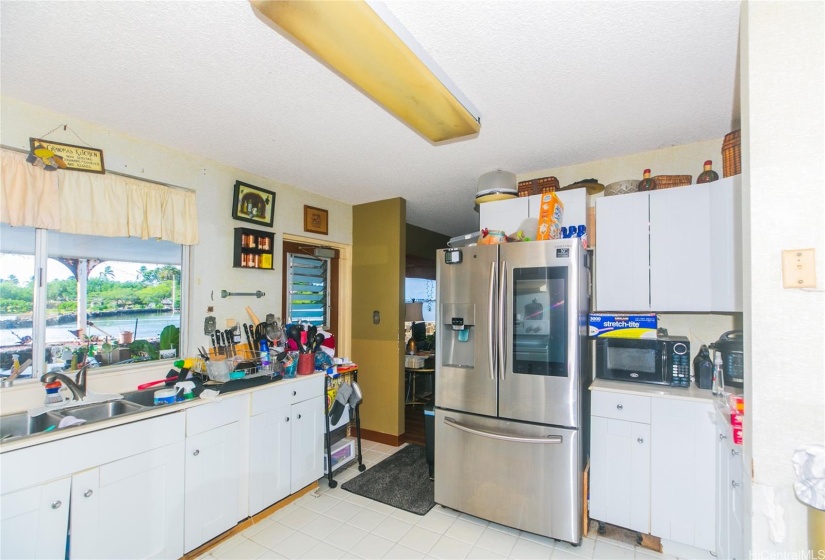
pixel 341 287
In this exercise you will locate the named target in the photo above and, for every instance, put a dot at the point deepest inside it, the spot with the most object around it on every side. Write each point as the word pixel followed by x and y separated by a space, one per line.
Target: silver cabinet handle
pixel 496 435
pixel 299 417
pixel 294 393
pixel 56 504
pixel 287 418
pixel 734 453
pixel 640 440
pixel 722 436
pixel 196 452
pixel 734 484
pixel 88 493
pixel 619 407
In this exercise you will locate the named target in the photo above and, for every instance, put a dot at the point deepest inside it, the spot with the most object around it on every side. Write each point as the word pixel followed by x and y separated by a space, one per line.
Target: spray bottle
pixel 184 390
pixel 718 375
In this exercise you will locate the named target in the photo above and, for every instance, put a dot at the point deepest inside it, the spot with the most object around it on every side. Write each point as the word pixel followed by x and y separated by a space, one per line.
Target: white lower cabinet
pixel 729 480
pixel 34 521
pixel 285 440
pixel 213 471
pixel 114 493
pixel 652 462
pixel 130 508
pixel 683 472
pixel 620 460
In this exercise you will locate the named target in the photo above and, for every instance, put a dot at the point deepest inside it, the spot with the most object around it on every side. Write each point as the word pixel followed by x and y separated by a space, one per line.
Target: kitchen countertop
pixel 691 393
pixel 150 412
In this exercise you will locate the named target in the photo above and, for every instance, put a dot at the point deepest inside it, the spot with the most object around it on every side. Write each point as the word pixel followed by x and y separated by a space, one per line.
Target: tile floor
pixel 331 523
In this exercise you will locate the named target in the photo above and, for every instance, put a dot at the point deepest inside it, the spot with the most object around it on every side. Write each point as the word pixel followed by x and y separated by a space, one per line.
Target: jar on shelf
pixel 647 183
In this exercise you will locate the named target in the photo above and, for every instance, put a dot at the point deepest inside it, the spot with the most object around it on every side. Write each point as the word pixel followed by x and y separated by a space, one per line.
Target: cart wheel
pixel 362 467
pixel 333 483
pixel 602 529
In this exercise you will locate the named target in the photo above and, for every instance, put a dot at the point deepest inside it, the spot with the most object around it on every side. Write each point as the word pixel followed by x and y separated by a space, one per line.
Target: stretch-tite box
pixel 623 326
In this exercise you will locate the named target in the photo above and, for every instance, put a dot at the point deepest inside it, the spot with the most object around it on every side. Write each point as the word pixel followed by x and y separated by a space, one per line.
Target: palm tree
pixel 169 272
pixel 107 273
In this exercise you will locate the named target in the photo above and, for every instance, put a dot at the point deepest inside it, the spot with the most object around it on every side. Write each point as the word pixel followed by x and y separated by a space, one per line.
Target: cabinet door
pixel 620 473
pixel 622 253
pixel 307 445
pixel 680 249
pixel 722 488
pixel 212 484
pixel 34 522
pixel 130 508
pixel 726 244
pixel 737 515
pixel 505 215
pixel 269 458
pixel 683 467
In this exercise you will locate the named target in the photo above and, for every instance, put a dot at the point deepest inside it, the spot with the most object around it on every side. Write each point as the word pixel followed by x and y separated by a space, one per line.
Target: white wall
pixel 213 182
pixel 782 65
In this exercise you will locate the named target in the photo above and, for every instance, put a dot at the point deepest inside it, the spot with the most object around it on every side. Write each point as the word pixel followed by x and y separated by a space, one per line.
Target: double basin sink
pixel 20 425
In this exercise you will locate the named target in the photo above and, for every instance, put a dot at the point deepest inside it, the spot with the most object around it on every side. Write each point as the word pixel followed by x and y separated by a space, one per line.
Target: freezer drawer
pixel 491 469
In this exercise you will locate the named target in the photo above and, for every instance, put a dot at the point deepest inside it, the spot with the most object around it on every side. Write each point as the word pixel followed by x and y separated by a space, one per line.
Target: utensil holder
pixel 306 363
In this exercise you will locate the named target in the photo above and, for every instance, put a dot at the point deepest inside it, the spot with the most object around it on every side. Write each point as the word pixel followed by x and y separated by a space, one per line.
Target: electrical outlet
pixel 798 268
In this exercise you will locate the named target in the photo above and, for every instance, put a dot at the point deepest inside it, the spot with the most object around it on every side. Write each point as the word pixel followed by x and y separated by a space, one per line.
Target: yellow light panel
pixel 351 38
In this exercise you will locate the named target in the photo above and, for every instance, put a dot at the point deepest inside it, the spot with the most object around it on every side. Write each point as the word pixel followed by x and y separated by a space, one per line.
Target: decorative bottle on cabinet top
pixel 647 183
pixel 708 174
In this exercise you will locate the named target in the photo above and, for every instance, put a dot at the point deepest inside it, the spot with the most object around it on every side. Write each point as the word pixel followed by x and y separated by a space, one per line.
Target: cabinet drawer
pixel 289 393
pixel 213 415
pixel 621 406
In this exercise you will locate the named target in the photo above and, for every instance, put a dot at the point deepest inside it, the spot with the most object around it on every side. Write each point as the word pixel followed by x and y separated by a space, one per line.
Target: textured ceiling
pixel 556 83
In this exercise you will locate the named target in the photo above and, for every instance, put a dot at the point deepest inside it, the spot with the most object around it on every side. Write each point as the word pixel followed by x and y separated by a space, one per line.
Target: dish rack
pixel 223 369
pixel 342 451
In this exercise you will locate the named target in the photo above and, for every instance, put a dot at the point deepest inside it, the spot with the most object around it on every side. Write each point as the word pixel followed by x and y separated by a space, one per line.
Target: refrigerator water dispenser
pixel 457 339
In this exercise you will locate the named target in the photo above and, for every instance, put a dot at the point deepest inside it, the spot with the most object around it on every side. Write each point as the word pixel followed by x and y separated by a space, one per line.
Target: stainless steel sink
pixel 143 398
pixel 20 425
pixel 101 411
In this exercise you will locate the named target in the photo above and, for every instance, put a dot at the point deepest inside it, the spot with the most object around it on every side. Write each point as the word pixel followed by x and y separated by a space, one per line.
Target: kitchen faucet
pixel 76 386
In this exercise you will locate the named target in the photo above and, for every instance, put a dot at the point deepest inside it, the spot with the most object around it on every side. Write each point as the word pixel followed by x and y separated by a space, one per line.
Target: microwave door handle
pixel 502 320
pixel 491 323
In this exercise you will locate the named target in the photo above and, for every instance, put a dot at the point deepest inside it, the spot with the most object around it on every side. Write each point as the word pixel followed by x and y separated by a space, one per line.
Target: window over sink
pixel 65 295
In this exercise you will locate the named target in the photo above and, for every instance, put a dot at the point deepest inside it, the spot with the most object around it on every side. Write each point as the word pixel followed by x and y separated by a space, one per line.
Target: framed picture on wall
pixel 253 204
pixel 316 220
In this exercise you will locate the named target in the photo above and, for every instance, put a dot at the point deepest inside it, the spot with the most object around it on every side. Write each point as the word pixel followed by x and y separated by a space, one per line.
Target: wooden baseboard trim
pixel 381 437
pixel 247 523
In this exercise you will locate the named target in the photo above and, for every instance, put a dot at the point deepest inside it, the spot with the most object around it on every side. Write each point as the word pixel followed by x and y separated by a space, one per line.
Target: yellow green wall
pixel 379 240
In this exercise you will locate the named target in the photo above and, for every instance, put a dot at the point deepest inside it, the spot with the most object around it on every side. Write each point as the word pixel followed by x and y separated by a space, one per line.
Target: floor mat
pixel 401 480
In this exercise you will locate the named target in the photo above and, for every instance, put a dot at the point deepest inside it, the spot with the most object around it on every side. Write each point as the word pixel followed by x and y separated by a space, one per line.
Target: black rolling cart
pixel 342 455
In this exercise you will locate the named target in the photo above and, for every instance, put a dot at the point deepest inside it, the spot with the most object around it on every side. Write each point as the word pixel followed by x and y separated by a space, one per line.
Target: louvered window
pixel 308 290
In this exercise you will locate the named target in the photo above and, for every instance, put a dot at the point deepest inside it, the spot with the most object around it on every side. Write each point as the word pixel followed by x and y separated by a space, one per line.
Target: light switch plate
pixel 798 268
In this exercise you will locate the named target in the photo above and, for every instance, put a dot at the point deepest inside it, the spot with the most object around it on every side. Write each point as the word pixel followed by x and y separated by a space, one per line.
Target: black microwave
pixel 662 361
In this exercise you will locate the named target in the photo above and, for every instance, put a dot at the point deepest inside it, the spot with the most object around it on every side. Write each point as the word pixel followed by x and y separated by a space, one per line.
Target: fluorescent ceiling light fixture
pixel 365 44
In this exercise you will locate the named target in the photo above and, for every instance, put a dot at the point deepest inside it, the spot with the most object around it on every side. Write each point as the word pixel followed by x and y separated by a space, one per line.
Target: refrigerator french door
pixel 509 400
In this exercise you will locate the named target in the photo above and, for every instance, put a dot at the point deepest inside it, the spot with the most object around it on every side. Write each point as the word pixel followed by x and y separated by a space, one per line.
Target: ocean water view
pixel 149 326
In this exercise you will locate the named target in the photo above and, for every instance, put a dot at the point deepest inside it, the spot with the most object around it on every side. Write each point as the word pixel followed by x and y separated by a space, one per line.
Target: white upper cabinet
pixel 674 249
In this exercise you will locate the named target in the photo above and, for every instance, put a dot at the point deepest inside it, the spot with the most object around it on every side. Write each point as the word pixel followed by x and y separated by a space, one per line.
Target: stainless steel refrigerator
pixel 510 393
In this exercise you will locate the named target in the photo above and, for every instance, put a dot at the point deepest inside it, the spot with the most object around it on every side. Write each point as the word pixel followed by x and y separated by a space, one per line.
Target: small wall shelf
pixel 253 248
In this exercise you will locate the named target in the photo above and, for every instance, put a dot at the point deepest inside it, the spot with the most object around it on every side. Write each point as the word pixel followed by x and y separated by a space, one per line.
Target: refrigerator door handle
pixel 492 357
pixel 497 435
pixel 502 330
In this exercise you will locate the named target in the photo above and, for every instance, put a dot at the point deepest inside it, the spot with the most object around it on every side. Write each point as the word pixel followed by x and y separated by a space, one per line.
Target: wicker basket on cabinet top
pixel 732 154
pixel 670 181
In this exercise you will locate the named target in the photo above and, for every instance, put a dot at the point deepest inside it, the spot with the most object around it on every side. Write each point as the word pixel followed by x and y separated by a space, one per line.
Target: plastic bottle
pixel 264 347
pixel 15 362
pixel 718 375
pixel 708 175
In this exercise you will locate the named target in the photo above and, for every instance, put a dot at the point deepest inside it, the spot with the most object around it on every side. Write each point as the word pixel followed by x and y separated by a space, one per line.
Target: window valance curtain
pixel 91 204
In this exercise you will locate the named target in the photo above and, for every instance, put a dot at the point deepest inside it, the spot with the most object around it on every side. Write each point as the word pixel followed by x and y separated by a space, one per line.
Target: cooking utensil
pixel 294 334
pixel 319 339
pixel 157 382
pixel 252 316
pixel 249 339
pixel 214 343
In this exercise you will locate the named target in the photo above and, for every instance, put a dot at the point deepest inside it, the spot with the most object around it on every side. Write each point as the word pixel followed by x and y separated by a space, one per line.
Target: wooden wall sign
pixel 78 158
